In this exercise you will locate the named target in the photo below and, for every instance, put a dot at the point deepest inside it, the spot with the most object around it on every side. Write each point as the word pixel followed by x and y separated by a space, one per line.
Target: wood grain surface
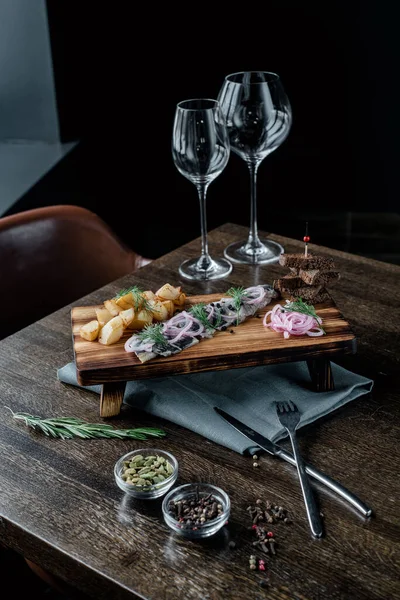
pixel 248 344
pixel 60 506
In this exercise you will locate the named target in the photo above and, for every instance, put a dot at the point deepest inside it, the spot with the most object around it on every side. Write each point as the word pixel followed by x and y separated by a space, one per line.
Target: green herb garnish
pixel 153 333
pixel 127 290
pixel 199 312
pixel 138 299
pixel 237 295
pixel 302 307
pixel 68 427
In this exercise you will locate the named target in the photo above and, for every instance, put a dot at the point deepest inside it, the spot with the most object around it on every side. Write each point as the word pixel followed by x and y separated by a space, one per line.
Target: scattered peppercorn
pixel 267 513
pixel 255 457
pixel 272 545
pixel 232 331
pixel 195 510
pixel 255 464
pixel 232 544
pixel 253 562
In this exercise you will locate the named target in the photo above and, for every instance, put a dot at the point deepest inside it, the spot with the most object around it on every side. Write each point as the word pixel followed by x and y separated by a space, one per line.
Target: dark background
pixel 120 70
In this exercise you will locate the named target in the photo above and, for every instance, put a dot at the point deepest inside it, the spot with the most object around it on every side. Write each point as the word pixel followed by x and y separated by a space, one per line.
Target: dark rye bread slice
pixel 288 282
pixel 306 263
pixel 310 294
pixel 317 277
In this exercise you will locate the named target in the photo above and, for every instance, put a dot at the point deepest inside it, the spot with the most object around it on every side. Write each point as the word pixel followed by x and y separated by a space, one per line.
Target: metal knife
pixel 272 448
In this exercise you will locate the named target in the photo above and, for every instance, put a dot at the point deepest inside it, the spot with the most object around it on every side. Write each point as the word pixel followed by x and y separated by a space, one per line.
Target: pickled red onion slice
pixel 292 323
pixel 254 295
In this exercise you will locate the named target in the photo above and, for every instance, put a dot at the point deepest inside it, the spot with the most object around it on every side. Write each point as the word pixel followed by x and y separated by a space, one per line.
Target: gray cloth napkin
pixel 247 393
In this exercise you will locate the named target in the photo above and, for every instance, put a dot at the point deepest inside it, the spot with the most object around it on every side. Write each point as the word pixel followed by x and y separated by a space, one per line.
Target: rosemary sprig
pixel 302 307
pixel 138 299
pixel 68 427
pixel 153 333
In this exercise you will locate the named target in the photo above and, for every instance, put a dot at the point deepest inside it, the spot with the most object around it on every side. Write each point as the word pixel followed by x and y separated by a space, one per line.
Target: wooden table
pixel 60 506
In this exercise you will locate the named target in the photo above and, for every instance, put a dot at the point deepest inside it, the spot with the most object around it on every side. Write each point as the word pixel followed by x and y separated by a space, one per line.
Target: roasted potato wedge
pixel 170 306
pixel 103 316
pixel 126 301
pixel 113 307
pixel 133 310
pixel 168 292
pixel 158 310
pixel 149 295
pixel 141 318
pixel 112 331
pixel 90 331
pixel 127 316
pixel 180 300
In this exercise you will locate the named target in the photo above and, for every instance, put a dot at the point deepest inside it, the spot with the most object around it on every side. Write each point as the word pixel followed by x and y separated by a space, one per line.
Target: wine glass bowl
pixel 200 151
pixel 258 118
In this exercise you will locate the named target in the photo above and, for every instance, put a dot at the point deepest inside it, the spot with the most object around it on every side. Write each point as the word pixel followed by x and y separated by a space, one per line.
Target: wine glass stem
pixel 253 240
pixel 205 259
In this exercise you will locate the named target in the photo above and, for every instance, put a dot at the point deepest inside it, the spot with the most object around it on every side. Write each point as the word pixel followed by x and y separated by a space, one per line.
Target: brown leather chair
pixel 52 256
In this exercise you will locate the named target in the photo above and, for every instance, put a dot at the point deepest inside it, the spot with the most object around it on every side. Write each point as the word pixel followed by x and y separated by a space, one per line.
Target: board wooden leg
pixel 321 374
pixel 111 398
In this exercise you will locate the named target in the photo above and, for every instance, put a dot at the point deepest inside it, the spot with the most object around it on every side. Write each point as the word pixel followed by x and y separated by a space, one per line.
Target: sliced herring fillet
pixel 219 316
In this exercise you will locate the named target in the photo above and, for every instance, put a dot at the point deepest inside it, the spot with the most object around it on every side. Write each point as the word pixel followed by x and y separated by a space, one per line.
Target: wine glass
pixel 258 119
pixel 200 150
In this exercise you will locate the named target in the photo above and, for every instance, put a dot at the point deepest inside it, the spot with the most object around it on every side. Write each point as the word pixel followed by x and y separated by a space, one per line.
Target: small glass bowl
pixel 201 530
pixel 151 491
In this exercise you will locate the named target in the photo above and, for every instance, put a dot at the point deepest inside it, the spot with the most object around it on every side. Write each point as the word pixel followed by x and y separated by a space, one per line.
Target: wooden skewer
pixel 306 239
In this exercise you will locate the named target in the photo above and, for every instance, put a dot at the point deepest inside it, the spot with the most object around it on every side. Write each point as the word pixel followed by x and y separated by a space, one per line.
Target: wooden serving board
pixel 251 344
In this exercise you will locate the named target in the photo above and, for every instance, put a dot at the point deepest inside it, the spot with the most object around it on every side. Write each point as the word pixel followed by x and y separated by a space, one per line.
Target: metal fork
pixel 289 416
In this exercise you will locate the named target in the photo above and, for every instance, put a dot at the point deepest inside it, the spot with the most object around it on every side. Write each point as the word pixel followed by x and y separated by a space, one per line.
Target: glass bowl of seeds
pixel 146 473
pixel 196 510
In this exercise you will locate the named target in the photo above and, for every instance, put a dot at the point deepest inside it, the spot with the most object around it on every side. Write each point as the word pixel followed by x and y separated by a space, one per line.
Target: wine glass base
pixel 241 252
pixel 218 268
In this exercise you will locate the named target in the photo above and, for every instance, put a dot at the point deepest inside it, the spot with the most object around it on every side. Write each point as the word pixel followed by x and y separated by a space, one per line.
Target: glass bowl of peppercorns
pixel 196 510
pixel 146 473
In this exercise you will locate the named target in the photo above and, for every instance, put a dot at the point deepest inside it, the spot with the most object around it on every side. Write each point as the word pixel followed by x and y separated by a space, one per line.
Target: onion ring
pixel 292 323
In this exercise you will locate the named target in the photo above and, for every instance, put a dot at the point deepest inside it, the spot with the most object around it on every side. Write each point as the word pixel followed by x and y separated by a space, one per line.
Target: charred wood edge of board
pixel 251 359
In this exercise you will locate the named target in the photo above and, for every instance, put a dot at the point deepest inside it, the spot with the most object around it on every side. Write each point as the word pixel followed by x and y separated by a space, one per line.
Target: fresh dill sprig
pixel 139 301
pixel 302 307
pixel 199 312
pixel 153 333
pixel 127 290
pixel 68 427
pixel 237 294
